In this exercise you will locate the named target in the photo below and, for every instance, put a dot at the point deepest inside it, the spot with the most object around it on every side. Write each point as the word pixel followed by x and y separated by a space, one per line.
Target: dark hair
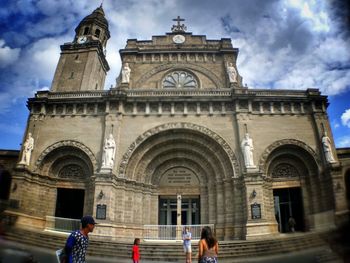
pixel 136 241
pixel 207 234
pixel 87 220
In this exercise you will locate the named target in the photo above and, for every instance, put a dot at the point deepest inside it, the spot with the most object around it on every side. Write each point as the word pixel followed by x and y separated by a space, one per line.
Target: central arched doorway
pixel 179 197
pixel 192 175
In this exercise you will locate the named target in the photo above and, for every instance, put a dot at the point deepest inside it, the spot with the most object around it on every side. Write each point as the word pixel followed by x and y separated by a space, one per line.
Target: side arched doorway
pixel 193 178
pixel 5 184
pixel 72 168
pixel 293 177
pixel 347 187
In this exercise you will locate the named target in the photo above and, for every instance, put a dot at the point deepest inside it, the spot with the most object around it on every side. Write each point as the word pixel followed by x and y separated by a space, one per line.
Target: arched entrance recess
pixel 5 184
pixel 347 187
pixel 180 160
pixel 71 168
pixel 297 187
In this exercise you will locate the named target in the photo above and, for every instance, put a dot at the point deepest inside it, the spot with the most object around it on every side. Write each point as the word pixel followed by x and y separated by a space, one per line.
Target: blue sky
pixel 286 44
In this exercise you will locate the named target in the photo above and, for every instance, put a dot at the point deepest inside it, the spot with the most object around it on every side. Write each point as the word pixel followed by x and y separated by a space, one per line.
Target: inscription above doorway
pixel 179 176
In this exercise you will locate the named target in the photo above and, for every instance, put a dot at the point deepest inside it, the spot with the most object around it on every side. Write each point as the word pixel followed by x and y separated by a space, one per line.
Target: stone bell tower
pixel 82 64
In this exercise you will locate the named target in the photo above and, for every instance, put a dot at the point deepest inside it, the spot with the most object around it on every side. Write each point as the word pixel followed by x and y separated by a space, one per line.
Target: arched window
pixel 180 80
pixel 86 31
pixel 97 32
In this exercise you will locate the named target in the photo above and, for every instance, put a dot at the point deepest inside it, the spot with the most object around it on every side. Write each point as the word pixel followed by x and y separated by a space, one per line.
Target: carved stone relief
pixel 285 170
pixel 275 145
pixel 192 67
pixel 71 143
pixel 71 171
pixel 178 125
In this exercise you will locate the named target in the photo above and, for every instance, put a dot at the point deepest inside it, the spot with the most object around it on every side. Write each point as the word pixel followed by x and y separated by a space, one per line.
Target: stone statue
pixel 28 147
pixel 327 148
pixel 247 149
pixel 108 152
pixel 126 73
pixel 232 73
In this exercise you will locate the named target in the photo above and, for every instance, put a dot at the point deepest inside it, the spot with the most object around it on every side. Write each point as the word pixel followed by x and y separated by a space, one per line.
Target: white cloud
pixel 282 44
pixel 8 55
pixel 345 118
pixel 344 142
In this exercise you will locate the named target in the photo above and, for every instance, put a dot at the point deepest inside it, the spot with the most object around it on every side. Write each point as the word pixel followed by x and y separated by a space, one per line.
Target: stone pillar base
pixel 106 170
pixel 259 230
pixel 324 220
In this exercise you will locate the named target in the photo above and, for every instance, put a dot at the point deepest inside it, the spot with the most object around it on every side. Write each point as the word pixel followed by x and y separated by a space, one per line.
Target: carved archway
pixel 78 149
pixel 263 164
pixel 214 138
pixel 180 66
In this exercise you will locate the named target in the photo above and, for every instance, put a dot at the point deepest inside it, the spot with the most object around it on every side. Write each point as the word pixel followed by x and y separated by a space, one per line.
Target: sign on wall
pixel 256 211
pixel 179 176
pixel 101 211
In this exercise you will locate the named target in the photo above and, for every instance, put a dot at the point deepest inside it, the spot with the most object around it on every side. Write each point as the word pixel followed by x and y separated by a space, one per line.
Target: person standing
pixel 208 247
pixel 135 251
pixel 186 237
pixel 78 241
pixel 291 224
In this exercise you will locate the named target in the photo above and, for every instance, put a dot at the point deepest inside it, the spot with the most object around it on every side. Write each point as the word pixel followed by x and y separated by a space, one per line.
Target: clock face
pixel 179 39
pixel 82 39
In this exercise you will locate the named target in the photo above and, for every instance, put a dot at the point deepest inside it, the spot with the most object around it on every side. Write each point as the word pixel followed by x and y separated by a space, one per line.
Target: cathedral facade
pixel 177 141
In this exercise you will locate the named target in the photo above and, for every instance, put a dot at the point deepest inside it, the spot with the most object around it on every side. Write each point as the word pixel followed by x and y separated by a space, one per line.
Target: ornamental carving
pixel 275 145
pixel 71 143
pixel 178 125
pixel 72 171
pixel 285 170
pixel 180 80
pixel 215 79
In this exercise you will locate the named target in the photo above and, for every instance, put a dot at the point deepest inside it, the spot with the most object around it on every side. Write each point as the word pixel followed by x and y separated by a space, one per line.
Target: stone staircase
pixel 170 252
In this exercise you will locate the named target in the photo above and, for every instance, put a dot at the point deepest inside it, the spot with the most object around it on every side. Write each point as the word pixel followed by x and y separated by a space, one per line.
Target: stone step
pixel 172 251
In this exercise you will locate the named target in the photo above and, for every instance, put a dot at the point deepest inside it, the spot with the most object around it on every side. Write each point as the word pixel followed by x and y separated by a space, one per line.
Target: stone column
pixel 178 217
pixel 212 203
pixel 204 205
pixel 228 210
pixel 260 216
pixel 220 210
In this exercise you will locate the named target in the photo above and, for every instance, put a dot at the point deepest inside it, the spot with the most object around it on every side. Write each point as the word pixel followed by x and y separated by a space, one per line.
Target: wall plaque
pixel 256 211
pixel 179 176
pixel 101 211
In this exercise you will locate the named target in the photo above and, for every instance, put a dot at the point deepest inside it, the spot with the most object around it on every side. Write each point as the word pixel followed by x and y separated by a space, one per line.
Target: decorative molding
pixel 277 144
pixel 178 125
pixel 65 143
pixel 71 171
pixel 180 66
pixel 285 170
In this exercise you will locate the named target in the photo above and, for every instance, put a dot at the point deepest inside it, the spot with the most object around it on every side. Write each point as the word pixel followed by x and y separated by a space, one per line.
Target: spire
pixel 94 26
pixel 97 17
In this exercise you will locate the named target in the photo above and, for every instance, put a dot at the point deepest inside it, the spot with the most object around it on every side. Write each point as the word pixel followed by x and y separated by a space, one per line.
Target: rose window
pixel 179 80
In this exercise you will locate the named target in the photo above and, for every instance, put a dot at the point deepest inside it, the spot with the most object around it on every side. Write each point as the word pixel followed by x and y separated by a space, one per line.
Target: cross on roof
pixel 178 19
pixel 178 27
